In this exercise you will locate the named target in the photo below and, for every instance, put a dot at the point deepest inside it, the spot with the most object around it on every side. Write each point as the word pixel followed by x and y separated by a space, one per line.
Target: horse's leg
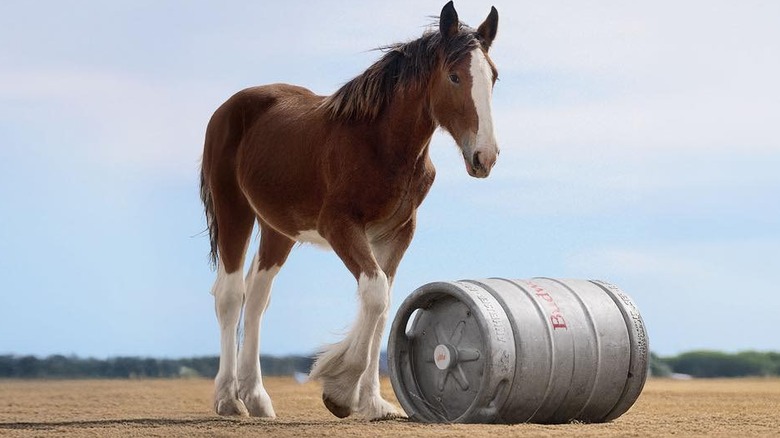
pixel 235 219
pixel 388 253
pixel 341 365
pixel 274 249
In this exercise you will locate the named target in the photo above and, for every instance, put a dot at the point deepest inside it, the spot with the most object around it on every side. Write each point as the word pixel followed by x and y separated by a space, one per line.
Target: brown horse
pixel 348 172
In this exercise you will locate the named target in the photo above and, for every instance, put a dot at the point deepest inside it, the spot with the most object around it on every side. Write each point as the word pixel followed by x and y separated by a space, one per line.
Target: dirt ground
pixel 124 408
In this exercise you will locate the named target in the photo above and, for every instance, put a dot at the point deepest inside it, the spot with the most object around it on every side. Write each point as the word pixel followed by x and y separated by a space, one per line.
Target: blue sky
pixel 640 145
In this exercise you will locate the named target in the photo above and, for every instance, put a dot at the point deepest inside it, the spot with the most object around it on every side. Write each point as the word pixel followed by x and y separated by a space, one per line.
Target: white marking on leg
pixel 250 379
pixel 481 94
pixel 373 293
pixel 371 405
pixel 228 293
pixel 250 275
pixel 342 365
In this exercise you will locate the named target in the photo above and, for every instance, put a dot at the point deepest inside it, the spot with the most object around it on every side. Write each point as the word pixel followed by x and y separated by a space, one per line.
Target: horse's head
pixel 462 89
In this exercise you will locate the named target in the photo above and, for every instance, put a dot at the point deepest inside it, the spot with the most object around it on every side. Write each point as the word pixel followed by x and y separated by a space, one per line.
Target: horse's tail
pixel 211 222
pixel 224 134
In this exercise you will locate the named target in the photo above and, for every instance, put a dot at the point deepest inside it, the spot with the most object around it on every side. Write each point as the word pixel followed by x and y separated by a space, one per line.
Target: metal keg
pixel 513 351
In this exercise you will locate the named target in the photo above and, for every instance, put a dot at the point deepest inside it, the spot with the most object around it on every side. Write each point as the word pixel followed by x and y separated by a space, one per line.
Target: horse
pixel 346 172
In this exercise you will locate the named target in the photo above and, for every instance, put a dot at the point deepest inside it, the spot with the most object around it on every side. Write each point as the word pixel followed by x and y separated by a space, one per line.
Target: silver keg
pixel 512 351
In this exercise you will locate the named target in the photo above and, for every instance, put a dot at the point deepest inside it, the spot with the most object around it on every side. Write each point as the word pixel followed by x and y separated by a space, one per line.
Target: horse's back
pixel 244 108
pixel 281 110
pixel 257 112
pixel 263 97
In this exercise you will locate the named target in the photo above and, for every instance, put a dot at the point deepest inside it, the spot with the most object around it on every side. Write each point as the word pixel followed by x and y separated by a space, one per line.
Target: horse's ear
pixel 487 30
pixel 448 21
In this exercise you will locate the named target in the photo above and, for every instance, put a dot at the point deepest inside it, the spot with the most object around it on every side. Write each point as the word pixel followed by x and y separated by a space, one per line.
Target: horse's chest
pixel 397 199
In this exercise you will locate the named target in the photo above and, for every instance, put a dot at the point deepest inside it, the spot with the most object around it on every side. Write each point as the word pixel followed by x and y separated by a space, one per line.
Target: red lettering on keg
pixel 556 316
pixel 558 321
pixel 545 296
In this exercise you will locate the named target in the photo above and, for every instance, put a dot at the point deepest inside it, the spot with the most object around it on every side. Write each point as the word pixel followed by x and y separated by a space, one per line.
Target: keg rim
pixel 423 297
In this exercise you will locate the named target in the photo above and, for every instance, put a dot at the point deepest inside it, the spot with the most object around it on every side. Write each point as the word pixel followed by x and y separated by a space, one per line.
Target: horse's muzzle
pixel 481 162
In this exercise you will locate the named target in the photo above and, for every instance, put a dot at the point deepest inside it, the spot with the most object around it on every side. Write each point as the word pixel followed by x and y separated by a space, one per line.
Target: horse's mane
pixel 404 66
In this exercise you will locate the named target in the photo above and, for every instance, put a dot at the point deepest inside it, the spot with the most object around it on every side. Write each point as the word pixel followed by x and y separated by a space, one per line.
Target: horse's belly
pixel 313 237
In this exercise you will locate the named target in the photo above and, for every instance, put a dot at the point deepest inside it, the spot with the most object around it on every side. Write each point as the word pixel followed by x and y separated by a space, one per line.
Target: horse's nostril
pixel 475 163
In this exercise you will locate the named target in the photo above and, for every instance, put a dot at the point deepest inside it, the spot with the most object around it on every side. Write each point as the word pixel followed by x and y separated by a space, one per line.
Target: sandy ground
pixel 125 408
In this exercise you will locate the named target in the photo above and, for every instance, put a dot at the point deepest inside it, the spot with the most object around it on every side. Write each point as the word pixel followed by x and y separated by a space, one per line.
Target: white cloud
pixel 635 262
pixel 713 294
pixel 649 80
pixel 668 76
pixel 709 258
pixel 127 124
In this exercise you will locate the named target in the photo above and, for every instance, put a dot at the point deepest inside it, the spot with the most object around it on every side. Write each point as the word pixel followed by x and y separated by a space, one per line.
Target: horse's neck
pixel 406 127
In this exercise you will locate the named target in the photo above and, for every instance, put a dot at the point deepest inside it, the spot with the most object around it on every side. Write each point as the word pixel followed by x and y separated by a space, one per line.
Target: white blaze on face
pixel 481 94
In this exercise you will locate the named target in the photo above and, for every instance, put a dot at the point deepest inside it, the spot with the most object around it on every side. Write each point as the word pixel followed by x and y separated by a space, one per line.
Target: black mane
pixel 403 66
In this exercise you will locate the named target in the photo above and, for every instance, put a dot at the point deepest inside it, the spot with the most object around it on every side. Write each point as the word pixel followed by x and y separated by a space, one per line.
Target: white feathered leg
pixel 228 293
pixel 250 379
pixel 371 405
pixel 341 365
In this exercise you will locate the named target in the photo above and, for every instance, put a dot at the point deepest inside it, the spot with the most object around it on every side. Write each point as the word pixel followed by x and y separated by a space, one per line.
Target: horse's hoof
pixel 337 410
pixel 378 409
pixel 232 408
pixel 259 408
pixel 257 402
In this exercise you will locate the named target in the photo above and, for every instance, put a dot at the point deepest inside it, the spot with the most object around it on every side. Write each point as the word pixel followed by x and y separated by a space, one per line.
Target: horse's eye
pixel 455 79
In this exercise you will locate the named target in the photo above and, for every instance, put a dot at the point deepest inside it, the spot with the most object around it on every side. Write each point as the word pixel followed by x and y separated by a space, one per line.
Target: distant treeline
pixel 694 363
pixel 60 367
pixel 706 363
